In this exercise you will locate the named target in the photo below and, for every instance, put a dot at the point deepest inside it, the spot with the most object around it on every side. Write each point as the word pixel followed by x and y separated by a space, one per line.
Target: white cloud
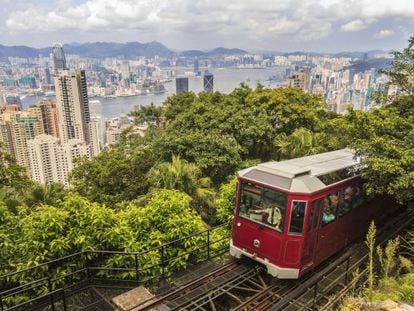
pixel 355 25
pixel 301 20
pixel 384 34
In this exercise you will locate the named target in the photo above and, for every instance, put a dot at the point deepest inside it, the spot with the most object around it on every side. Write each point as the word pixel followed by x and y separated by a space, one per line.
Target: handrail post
pixel 162 262
pixel 65 308
pixel 49 285
pixel 347 270
pixel 136 267
pixel 208 244
pixel 315 295
pixel 86 263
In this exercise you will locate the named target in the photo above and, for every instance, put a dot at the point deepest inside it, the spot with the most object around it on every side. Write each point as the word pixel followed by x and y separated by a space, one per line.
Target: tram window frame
pixel 316 210
pixel 303 216
pixel 312 215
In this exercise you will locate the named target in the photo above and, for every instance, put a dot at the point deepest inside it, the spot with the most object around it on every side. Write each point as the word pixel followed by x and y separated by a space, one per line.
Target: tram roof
pixel 306 174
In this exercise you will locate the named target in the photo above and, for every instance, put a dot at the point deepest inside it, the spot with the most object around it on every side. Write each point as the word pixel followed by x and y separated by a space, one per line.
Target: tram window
pixel 263 205
pixel 331 203
pixel 358 195
pixel 297 216
pixel 344 206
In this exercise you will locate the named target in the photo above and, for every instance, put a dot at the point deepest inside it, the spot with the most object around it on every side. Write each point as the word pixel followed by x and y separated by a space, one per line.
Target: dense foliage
pixel 76 224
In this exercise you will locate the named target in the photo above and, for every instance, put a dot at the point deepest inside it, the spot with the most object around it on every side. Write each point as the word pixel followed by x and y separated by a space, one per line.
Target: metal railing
pixel 50 284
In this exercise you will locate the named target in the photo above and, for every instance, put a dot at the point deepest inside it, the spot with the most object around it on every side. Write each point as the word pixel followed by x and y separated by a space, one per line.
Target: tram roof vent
pixel 285 169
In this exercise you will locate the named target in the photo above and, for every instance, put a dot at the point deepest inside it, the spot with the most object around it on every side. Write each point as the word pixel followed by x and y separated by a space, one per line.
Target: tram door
pixel 311 236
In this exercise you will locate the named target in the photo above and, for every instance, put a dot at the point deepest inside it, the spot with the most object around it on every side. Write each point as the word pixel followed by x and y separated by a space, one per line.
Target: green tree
pixel 301 142
pixel 147 114
pixel 385 138
pixel 116 174
pixel 226 201
pixel 48 194
pixel 401 72
pixel 184 176
pixel 12 174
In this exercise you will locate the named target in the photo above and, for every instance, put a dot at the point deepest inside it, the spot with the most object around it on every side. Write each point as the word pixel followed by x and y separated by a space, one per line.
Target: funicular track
pixel 241 285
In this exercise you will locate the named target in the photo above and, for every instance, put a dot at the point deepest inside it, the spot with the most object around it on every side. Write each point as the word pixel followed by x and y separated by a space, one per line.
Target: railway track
pixel 242 285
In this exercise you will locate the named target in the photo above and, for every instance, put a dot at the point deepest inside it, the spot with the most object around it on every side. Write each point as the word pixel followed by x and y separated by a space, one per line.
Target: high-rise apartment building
pixel 59 59
pixel 96 131
pixel 72 105
pixel 300 80
pixel 46 159
pixel 208 80
pixel 52 162
pixel 17 128
pixel 47 114
pixel 181 84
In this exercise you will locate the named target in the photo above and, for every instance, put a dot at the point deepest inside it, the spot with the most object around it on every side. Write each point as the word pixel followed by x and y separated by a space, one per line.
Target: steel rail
pixel 157 300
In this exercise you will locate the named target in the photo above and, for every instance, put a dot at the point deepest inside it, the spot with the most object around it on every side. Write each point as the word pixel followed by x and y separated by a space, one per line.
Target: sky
pixel 274 25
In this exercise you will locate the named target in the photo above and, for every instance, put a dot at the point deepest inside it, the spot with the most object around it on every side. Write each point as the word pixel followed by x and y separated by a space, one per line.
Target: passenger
pixel 359 196
pixel 348 197
pixel 331 203
pixel 274 216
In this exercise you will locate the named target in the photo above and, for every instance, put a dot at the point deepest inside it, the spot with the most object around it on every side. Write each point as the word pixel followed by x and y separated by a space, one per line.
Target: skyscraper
pixel 48 77
pixel 181 84
pixel 196 68
pixel 59 59
pixel 73 105
pixel 208 80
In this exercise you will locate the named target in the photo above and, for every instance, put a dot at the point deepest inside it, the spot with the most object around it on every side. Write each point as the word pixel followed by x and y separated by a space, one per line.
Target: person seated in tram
pixel 331 203
pixel 269 214
pixel 348 196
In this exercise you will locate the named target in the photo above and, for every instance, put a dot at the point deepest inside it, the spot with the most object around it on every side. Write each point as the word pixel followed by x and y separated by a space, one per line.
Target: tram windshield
pixel 263 205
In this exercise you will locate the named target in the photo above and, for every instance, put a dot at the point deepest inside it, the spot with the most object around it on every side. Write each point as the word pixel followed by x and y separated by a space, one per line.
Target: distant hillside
pixel 376 63
pixel 96 50
pixel 360 55
pixel 224 51
pixel 18 51
pixel 215 52
pixel 132 50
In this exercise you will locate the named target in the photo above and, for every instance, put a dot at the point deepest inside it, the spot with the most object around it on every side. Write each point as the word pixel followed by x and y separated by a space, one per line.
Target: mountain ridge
pixel 130 50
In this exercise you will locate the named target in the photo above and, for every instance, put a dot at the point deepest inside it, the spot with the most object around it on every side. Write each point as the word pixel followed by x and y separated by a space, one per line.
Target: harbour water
pixel 225 80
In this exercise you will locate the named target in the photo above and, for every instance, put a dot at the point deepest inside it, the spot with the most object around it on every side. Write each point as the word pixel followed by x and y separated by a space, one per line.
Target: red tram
pixel 293 214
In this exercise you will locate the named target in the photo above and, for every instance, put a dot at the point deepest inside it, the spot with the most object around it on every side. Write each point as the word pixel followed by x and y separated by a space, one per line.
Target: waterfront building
pixel 208 81
pixel 181 84
pixel 196 68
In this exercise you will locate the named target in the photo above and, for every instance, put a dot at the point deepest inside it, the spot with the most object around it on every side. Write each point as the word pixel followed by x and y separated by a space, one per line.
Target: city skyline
pixel 312 25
